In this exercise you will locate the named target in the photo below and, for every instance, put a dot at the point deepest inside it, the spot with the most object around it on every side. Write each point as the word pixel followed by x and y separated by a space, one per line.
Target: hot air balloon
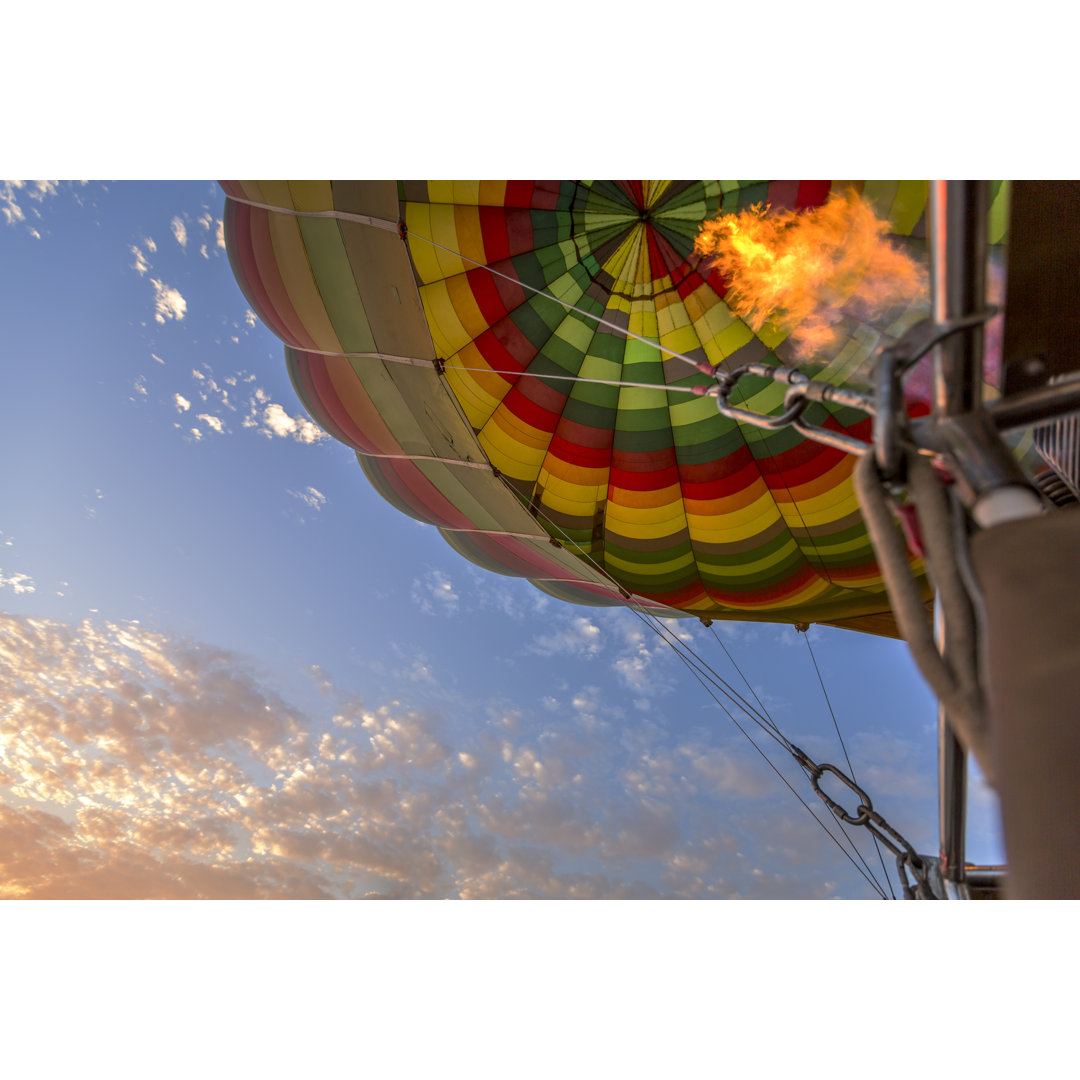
pixel 509 362
pixel 553 373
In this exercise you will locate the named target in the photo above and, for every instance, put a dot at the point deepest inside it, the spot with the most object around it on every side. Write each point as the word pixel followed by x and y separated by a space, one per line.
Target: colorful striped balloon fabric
pixel 514 363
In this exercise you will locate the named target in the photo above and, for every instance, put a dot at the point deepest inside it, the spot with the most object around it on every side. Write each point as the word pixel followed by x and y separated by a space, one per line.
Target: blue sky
pixel 234 671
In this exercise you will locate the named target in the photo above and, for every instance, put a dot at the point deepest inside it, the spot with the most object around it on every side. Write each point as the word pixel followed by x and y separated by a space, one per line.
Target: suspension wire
pixel 821 569
pixel 739 670
pixel 696 665
pixel 598 319
pixel 578 379
pixel 867 874
pixel 765 722
pixel 851 768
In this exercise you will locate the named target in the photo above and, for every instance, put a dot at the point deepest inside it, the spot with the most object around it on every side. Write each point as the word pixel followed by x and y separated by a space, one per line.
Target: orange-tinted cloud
pixel 138 764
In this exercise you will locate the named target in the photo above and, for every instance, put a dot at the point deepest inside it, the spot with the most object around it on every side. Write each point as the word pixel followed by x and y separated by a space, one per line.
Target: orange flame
pixel 803 272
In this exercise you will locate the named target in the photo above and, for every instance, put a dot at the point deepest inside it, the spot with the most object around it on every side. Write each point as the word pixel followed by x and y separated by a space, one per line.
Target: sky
pixel 184 617
pixel 230 670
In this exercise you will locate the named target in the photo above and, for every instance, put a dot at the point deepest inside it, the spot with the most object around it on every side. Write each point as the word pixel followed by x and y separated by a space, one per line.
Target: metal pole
pixel 958 212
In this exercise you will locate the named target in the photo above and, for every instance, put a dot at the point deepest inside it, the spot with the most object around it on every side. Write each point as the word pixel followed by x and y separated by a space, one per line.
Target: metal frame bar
pixel 958 250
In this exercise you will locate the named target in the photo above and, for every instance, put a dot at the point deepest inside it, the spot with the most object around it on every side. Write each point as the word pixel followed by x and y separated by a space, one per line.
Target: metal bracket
pixel 802 390
pixel 892 430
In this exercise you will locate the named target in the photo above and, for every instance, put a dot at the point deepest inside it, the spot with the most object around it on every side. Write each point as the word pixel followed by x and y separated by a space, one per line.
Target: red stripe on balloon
pixel 769 595
pixel 519 193
pixel 521 558
pixel 573 452
pixel 418 493
pixel 812 193
pixel 663 258
pixel 504 345
pixel 493 231
pixel 783 194
pixel 266 260
pixel 546 194
pixel 238 227
pixel 334 414
pixel 707 489
pixel 486 294
pixel 519 233
pixel 645 471
pixel 543 414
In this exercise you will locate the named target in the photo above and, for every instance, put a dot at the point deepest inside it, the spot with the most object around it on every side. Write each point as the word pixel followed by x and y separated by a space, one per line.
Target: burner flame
pixel 803 272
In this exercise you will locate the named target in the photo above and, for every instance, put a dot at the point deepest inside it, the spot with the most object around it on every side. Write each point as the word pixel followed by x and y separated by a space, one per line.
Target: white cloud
pixel 18 583
pixel 12 190
pixel 728 773
pixel 215 423
pixel 206 220
pixel 276 421
pixel 220 234
pixel 179 231
pixel 181 402
pixel 643 666
pixel 9 206
pixel 579 636
pixel 154 356
pixel 141 263
pixel 250 317
pixel 310 497
pixel 257 412
pixel 168 303
pixel 434 594
pixel 150 245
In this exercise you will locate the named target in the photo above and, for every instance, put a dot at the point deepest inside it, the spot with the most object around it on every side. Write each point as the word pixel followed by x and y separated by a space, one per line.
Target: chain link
pixel 913 869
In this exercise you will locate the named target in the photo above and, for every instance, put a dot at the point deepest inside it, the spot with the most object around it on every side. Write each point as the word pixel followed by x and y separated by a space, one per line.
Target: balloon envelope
pixel 442 330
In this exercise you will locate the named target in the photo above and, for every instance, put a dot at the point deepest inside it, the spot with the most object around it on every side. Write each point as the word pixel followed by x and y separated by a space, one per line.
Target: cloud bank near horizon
pixel 138 764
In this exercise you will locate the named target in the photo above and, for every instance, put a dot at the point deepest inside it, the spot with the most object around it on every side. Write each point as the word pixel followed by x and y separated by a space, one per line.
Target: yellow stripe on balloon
pixel 418 221
pixel 642 570
pixel 575 500
pixel 470 240
pixel 470 319
pixel 275 193
pixel 492 193
pixel 737 527
pixel 823 510
pixel 443 226
pixel 311 195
